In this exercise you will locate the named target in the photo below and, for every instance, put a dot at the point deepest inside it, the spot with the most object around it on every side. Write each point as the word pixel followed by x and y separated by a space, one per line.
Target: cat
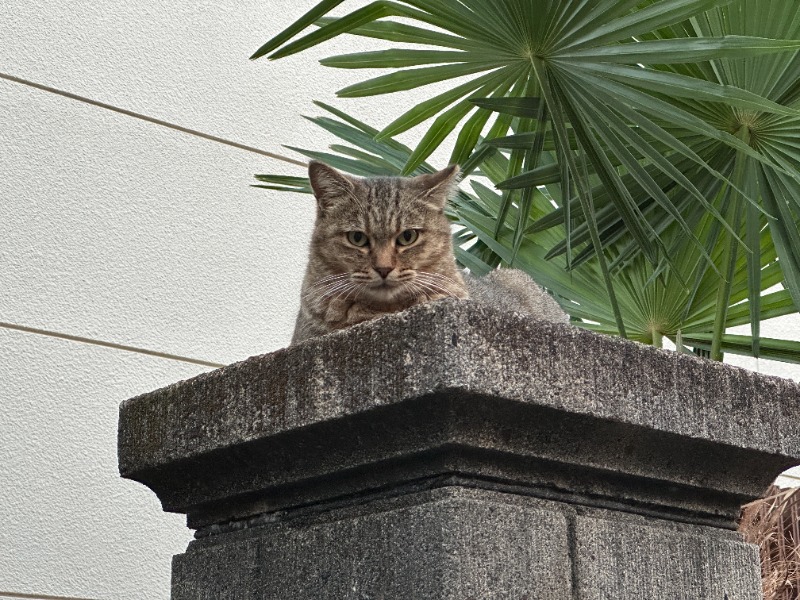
pixel 381 245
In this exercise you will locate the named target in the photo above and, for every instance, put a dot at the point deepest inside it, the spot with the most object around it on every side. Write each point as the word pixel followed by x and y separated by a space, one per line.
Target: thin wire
pixel 37 596
pixel 77 338
pixel 142 117
pixel 213 138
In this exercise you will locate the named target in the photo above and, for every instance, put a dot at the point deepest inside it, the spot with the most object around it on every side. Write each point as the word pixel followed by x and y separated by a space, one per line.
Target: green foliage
pixel 645 151
pixel 653 304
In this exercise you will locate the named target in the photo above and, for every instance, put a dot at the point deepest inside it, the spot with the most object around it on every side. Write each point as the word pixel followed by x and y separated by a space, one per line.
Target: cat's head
pixel 384 239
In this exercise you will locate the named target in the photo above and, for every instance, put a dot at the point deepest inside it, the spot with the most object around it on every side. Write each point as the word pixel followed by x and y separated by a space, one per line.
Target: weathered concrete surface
pixel 456 387
pixel 447 544
pixel 458 543
pixel 453 451
pixel 620 557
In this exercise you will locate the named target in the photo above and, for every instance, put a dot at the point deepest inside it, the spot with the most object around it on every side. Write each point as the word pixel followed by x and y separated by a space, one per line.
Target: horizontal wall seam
pixel 38 596
pixel 104 344
pixel 153 120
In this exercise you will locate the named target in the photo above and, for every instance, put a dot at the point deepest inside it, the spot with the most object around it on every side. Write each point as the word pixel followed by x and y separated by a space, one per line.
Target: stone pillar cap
pixel 456 390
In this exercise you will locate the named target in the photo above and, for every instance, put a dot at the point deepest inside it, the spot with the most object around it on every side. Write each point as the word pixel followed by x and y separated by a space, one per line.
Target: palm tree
pixel 645 148
pixel 653 307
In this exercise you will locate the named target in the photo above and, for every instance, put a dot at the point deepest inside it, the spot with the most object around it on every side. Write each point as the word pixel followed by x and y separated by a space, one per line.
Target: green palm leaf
pixel 652 305
pixel 653 144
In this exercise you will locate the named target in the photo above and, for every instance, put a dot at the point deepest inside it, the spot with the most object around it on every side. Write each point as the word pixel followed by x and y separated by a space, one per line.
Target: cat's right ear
pixel 328 184
pixel 439 187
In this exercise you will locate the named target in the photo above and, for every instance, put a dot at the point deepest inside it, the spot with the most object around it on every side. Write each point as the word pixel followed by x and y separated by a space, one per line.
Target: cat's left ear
pixel 439 187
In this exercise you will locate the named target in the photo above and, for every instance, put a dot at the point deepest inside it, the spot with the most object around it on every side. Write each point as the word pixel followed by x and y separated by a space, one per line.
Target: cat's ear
pixel 439 187
pixel 328 184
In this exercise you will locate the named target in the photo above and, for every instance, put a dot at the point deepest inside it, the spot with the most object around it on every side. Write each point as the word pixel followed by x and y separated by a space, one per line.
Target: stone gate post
pixel 456 452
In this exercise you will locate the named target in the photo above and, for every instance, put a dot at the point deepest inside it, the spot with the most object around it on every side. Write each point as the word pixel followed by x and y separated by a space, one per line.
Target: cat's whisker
pixel 442 279
pixel 453 288
pixel 446 288
pixel 336 295
pixel 319 289
pixel 355 287
pixel 428 292
pixel 445 278
pixel 324 289
pixel 329 280
pixel 351 289
pixel 414 290
pixel 427 277
pixel 435 291
pixel 434 284
pixel 337 290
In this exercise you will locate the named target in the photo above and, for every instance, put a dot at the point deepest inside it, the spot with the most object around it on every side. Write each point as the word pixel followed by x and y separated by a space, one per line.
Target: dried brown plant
pixel 773 523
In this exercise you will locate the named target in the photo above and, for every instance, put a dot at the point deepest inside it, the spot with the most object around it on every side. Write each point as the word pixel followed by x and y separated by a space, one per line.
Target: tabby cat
pixel 383 244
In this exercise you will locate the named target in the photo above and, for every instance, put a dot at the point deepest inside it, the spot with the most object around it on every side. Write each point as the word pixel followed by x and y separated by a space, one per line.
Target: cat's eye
pixel 407 237
pixel 357 238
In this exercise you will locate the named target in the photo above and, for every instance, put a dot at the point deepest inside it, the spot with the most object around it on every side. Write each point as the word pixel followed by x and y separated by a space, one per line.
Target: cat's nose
pixel 384 271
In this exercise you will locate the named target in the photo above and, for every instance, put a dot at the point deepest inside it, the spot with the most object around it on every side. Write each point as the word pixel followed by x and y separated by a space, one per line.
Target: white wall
pixel 120 230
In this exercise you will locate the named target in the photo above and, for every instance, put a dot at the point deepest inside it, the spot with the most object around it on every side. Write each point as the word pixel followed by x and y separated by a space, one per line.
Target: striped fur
pixel 345 284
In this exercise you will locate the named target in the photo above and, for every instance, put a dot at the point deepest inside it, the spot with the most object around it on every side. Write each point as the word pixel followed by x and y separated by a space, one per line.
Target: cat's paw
pixel 359 313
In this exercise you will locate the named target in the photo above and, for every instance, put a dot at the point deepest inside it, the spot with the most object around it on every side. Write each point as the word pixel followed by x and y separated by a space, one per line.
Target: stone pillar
pixel 454 452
